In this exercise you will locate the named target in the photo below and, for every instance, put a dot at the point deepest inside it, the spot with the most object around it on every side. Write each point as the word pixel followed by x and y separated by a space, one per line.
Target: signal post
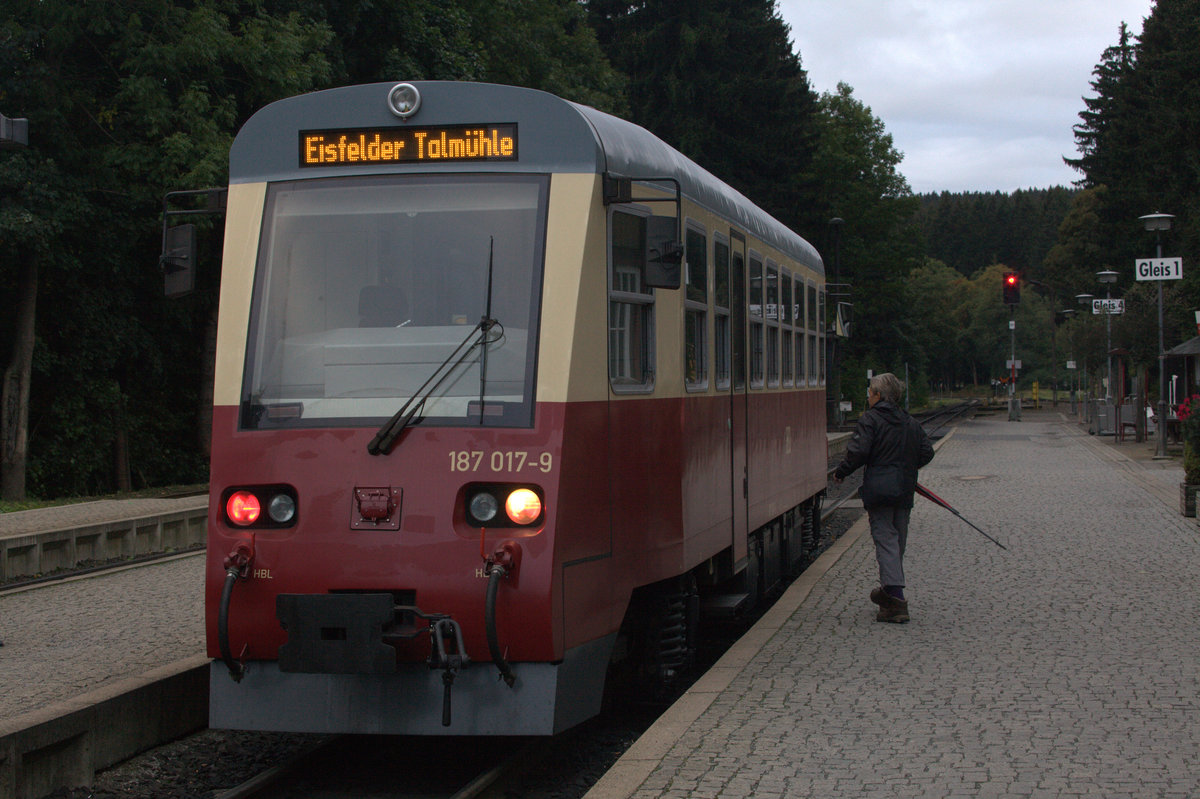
pixel 1012 297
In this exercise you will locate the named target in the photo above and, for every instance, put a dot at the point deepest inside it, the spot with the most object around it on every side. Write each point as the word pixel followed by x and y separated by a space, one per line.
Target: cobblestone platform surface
pixel 1066 666
pixel 65 639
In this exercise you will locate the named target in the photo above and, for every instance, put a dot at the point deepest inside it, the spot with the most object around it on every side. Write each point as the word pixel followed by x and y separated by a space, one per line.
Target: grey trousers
pixel 889 528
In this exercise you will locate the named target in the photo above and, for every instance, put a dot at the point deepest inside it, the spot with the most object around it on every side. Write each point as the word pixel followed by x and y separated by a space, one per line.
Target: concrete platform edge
pixel 631 770
pixel 64 745
pixel 43 551
pixel 628 773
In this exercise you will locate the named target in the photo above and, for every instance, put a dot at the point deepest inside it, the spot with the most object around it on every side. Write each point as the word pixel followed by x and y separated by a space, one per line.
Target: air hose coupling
pixel 237 566
pixel 505 562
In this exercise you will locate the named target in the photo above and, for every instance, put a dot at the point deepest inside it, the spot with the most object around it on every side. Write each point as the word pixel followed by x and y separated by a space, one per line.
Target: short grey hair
pixel 887 386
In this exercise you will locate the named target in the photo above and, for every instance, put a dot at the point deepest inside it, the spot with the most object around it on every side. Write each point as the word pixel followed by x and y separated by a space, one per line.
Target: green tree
pixel 1139 138
pixel 125 101
pixel 718 80
pixel 541 44
pixel 937 294
pixel 856 168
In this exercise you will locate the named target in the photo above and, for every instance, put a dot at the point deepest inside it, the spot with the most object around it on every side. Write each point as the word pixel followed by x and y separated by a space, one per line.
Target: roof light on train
pixel 243 508
pixel 404 100
pixel 523 506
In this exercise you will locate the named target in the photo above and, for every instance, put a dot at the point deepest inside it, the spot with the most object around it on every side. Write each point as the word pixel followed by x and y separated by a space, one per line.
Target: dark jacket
pixel 892 445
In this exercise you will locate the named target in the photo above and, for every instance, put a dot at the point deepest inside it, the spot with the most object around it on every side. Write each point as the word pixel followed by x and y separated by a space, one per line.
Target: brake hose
pixel 495 576
pixel 236 670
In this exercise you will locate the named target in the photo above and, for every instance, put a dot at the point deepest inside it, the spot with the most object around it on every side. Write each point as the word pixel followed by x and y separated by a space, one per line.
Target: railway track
pixel 394 766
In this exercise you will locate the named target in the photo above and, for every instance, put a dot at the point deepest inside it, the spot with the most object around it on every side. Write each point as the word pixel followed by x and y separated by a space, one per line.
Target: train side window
pixel 757 334
pixel 813 375
pixel 801 338
pixel 822 329
pixel 696 310
pixel 772 314
pixel 630 306
pixel 785 326
pixel 721 324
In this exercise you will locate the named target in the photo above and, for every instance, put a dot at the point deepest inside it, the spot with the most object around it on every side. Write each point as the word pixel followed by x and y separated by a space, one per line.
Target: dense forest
pixel 1128 169
pixel 969 231
pixel 105 384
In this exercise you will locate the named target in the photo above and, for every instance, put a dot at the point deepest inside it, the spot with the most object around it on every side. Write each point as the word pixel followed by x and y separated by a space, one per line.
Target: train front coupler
pixel 444 630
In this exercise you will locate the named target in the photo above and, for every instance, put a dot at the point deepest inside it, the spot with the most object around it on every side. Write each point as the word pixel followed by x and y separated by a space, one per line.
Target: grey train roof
pixel 555 135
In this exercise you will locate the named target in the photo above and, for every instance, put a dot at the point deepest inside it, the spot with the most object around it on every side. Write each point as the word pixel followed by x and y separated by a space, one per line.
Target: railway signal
pixel 1012 288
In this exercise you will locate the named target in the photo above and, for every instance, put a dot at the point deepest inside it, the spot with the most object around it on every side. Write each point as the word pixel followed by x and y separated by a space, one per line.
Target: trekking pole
pixel 934 498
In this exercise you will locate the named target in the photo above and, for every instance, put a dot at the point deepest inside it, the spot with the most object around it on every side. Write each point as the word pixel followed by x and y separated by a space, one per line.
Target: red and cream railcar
pixel 503 383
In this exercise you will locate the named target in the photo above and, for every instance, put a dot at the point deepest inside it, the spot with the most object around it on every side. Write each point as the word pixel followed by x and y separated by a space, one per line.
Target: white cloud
pixel 978 95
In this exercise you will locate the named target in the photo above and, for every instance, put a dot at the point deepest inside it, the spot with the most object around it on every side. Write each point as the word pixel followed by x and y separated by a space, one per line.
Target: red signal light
pixel 243 508
pixel 1012 288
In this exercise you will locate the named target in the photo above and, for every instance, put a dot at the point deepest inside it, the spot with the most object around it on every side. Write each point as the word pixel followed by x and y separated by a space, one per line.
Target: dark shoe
pixel 896 613
pixel 883 599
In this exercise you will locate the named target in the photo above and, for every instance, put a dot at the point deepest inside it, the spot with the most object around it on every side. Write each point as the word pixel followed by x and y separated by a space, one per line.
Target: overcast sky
pixel 979 95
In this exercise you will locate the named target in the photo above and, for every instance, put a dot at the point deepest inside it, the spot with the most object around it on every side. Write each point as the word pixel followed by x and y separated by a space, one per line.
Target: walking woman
pixel 892 446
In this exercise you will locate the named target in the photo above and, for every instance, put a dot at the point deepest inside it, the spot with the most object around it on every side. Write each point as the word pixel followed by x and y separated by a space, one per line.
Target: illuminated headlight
pixel 523 506
pixel 484 507
pixel 281 509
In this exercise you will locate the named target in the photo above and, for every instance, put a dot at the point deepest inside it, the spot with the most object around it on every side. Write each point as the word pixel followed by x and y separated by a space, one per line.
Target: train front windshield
pixel 365 286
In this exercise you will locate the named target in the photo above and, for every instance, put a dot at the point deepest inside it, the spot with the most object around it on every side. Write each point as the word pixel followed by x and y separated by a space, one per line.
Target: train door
pixel 738 396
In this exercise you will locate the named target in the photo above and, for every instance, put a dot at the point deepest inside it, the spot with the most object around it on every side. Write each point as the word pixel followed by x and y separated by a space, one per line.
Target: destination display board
pixel 395 145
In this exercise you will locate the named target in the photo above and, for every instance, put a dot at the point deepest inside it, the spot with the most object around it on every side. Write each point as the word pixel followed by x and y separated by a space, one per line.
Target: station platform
pixel 96 668
pixel 1065 666
pixel 61 537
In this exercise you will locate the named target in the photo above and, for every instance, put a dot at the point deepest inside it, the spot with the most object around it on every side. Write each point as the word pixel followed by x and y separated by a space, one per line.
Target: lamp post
pixel 1085 299
pixel 1108 277
pixel 1065 314
pixel 1158 223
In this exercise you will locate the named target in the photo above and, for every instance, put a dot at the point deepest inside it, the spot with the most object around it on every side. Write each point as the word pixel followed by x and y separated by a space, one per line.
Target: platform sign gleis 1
pixel 1158 268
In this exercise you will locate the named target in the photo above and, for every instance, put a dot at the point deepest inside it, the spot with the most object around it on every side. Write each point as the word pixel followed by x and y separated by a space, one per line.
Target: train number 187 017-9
pixel 500 461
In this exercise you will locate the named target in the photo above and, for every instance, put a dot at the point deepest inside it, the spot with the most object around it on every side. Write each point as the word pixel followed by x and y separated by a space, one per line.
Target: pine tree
pixel 718 79
pixel 1140 138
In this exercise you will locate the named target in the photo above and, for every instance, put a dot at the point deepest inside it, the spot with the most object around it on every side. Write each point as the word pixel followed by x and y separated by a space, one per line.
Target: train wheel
pixel 658 637
pixel 818 535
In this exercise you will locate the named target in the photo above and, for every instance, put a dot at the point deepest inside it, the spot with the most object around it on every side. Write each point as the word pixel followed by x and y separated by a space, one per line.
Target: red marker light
pixel 243 508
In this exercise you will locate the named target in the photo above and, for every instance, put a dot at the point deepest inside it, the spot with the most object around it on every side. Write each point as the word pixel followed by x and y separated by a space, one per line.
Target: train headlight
pixel 281 508
pixel 484 507
pixel 523 506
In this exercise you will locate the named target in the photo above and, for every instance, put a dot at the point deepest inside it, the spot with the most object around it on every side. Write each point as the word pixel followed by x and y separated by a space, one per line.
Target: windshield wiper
pixel 385 439
pixel 487 315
